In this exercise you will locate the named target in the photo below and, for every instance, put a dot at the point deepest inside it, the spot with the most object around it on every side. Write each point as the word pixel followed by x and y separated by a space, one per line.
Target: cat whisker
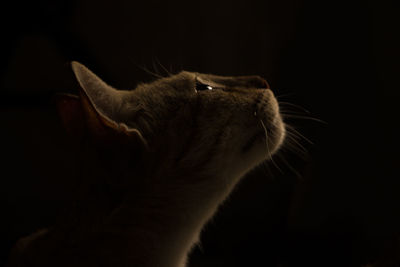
pixel 284 95
pixel 296 143
pixel 155 68
pixel 292 148
pixel 292 144
pixel 293 131
pixel 292 111
pixel 266 169
pixel 295 135
pixel 158 76
pixel 164 68
pixel 266 144
pixel 287 115
pixel 290 167
pixel 294 105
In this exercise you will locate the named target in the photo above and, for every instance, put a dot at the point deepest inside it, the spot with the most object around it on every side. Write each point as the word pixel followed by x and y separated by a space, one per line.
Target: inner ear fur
pixel 107 130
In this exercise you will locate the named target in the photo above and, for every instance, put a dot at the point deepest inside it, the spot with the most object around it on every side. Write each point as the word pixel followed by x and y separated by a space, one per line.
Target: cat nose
pixel 265 84
pixel 259 82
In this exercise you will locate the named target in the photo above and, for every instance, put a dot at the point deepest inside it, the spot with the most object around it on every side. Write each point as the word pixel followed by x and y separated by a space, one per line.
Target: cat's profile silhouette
pixel 158 161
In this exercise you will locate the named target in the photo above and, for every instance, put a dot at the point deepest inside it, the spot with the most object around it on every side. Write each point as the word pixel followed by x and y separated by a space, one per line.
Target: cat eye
pixel 202 87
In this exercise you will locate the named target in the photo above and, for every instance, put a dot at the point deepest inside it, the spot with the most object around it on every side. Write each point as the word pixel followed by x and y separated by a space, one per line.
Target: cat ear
pixel 105 100
pixel 100 104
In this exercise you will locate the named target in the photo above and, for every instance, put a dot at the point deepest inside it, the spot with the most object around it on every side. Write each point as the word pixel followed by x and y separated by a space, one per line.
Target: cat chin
pixel 271 122
pixel 259 149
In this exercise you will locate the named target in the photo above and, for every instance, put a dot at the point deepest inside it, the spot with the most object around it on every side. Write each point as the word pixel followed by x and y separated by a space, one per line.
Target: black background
pixel 338 59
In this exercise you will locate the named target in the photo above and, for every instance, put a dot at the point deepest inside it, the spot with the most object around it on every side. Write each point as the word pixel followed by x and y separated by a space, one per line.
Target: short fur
pixel 159 161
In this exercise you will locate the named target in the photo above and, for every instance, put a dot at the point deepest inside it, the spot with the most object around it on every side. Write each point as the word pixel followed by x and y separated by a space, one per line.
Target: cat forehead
pixel 183 78
pixel 197 76
pixel 246 81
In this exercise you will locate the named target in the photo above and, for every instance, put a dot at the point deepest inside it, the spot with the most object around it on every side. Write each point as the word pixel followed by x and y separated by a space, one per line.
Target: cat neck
pixel 164 227
pixel 152 222
pixel 169 218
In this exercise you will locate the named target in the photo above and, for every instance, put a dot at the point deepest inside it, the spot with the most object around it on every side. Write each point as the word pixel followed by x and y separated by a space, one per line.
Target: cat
pixel 158 161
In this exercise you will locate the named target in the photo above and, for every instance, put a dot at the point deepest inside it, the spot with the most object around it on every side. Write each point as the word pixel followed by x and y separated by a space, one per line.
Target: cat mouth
pixel 269 124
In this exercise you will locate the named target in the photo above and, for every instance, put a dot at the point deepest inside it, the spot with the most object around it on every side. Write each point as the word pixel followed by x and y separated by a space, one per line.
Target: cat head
pixel 196 121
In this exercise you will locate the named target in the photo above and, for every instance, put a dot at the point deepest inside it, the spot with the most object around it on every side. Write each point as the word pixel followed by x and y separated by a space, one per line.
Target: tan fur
pixel 160 159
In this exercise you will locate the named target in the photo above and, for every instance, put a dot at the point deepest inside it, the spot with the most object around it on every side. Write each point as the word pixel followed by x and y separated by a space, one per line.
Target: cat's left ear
pixel 102 106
